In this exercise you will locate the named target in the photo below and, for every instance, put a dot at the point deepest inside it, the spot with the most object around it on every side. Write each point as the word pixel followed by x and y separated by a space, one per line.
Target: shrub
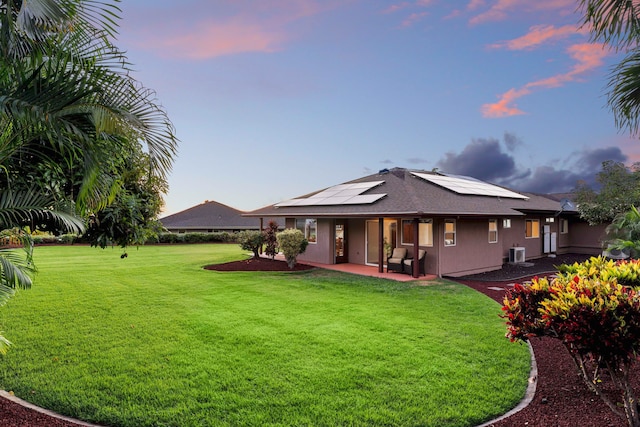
pixel 68 239
pixel 596 318
pixel 218 237
pixel 292 243
pixel 251 241
pixel 271 239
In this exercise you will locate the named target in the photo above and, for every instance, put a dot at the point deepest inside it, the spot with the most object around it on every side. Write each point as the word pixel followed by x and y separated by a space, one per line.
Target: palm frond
pixel 624 92
pixel 25 207
pixel 615 22
pixel 16 268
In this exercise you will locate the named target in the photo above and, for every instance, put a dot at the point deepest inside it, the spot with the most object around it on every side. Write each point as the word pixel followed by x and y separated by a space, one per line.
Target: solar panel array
pixel 462 185
pixel 343 194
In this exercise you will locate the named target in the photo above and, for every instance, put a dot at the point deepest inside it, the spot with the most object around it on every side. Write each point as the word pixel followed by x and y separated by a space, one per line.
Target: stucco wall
pixel 322 250
pixel 472 253
pixel 586 239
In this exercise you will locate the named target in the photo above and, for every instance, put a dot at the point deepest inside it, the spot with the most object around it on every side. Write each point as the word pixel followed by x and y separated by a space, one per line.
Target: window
pixel 506 223
pixel 449 232
pixel 564 226
pixel 550 220
pixel 308 228
pixel 532 230
pixel 493 231
pixel 425 232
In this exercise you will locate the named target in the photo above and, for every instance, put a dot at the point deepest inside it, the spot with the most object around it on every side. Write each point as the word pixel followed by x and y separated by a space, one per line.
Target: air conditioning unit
pixel 516 255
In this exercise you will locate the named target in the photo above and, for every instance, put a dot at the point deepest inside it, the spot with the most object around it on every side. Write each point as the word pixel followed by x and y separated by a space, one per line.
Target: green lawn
pixel 155 340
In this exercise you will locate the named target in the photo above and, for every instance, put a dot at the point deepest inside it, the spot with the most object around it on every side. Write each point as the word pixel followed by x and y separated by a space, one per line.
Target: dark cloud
pixel 511 141
pixel 581 165
pixel 486 160
pixel 482 159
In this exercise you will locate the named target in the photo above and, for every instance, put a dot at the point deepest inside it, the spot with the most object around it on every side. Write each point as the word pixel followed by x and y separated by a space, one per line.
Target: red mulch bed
pixel 561 398
pixel 257 264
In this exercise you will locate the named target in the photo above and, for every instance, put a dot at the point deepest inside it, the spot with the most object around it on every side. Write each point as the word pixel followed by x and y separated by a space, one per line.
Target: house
pixel 210 217
pixel 465 225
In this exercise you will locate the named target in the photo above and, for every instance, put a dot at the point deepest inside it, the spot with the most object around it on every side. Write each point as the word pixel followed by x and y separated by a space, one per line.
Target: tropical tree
pixel 616 23
pixel 271 239
pixel 619 190
pixel 69 102
pixel 71 120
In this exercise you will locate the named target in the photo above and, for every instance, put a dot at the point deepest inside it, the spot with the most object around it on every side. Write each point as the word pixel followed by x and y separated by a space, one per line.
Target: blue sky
pixel 273 99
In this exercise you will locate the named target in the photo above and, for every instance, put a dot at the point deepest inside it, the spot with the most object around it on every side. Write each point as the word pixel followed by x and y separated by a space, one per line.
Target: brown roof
pixel 409 195
pixel 211 215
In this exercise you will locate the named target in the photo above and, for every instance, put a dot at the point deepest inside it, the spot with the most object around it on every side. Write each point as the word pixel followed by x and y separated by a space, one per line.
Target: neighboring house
pixel 210 217
pixel 466 226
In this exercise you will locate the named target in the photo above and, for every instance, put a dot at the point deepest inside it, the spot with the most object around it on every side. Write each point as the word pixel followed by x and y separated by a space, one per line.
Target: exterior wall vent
pixel 516 255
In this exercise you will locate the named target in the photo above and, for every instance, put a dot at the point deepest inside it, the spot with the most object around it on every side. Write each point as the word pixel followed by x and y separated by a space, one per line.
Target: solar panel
pixel 465 185
pixel 342 194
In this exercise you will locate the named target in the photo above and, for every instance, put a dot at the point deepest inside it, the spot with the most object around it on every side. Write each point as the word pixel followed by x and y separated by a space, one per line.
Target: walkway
pixel 367 270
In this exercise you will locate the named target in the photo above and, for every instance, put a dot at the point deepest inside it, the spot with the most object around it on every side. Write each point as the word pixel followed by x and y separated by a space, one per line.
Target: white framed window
pixel 493 231
pixel 564 226
pixel 532 229
pixel 425 232
pixel 550 220
pixel 449 232
pixel 309 228
pixel 506 223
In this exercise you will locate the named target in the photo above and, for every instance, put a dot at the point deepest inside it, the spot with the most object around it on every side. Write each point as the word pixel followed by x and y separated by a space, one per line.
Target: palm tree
pixel 616 23
pixel 66 96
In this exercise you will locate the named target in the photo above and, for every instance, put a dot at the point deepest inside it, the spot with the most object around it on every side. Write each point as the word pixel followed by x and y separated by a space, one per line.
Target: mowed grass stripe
pixel 155 340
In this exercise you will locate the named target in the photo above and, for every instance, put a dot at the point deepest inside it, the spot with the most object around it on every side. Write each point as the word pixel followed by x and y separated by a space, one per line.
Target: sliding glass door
pixel 373 238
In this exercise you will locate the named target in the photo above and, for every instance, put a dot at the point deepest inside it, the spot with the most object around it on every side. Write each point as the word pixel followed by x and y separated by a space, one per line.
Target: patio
pixel 367 270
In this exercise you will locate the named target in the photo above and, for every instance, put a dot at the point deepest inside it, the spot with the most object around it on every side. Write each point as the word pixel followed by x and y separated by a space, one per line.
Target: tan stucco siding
pixel 472 252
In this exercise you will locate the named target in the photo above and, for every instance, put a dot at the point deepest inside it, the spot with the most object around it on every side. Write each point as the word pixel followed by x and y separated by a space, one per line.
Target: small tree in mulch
pixel 597 319
pixel 270 239
pixel 251 241
pixel 292 243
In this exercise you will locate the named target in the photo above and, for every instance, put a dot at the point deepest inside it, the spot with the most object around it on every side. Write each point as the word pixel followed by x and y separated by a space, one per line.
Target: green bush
pixel 250 240
pixel 218 237
pixel 68 239
pixel 292 243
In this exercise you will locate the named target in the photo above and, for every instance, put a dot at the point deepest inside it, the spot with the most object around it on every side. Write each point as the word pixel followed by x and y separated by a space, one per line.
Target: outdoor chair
pixel 408 263
pixel 394 262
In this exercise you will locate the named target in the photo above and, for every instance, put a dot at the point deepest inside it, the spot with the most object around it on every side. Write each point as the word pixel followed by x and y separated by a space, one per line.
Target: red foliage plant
pixel 597 321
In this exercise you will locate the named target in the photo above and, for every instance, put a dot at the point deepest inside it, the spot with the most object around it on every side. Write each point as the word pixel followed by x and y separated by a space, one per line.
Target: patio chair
pixel 394 262
pixel 407 264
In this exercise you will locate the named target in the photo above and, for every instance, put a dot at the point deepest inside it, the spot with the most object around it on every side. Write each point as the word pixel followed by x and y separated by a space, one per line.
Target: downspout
pixel 380 245
pixel 416 248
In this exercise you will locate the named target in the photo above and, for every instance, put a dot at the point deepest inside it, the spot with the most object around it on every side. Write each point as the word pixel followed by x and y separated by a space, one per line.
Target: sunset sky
pixel 273 99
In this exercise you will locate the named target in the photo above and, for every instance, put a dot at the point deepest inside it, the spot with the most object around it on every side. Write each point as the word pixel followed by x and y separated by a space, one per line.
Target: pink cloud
pixel 211 40
pixel 396 7
pixel 587 57
pixel 236 27
pixel 501 9
pixel 538 35
pixel 505 106
pixel 413 18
